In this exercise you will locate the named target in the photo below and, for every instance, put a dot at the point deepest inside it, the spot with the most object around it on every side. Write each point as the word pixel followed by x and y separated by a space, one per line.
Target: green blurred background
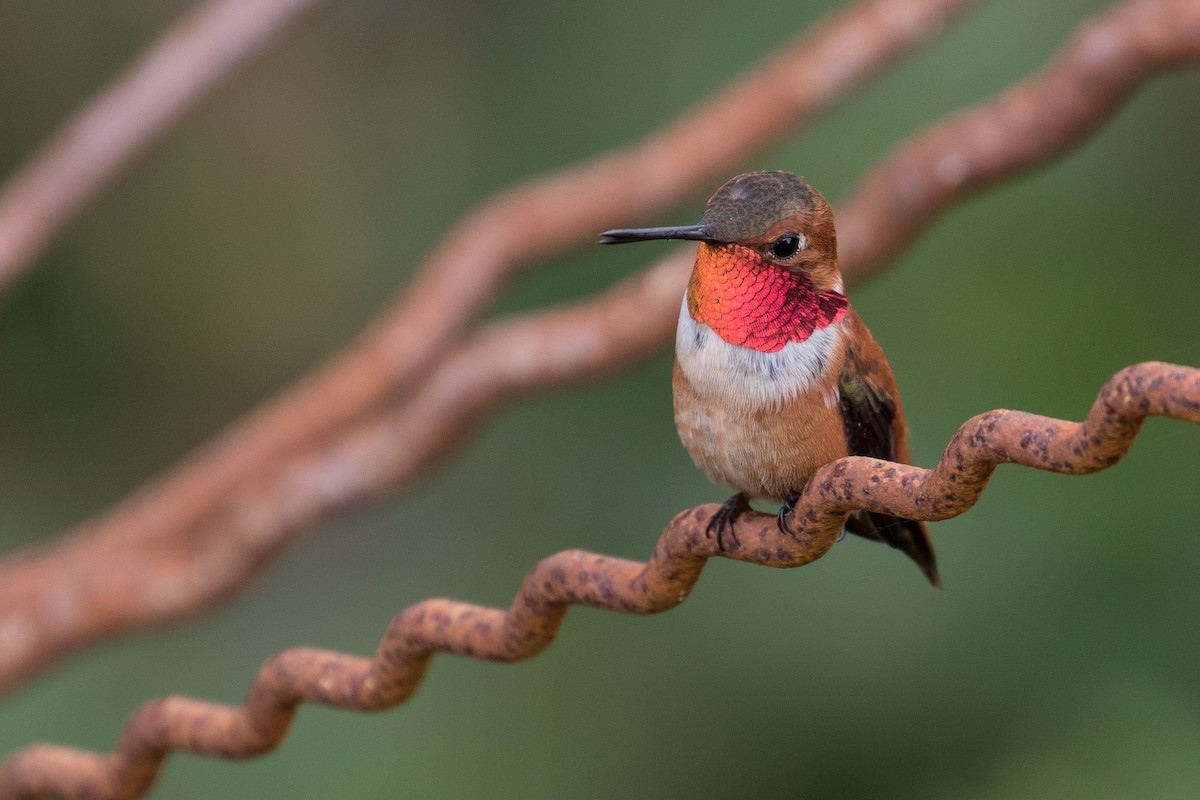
pixel 1061 658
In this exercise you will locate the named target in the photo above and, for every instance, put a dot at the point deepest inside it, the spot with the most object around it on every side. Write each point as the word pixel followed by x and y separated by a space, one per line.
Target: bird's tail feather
pixel 907 535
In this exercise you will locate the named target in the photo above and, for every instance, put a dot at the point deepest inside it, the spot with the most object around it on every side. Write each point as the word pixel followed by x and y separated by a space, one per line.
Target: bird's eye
pixel 786 246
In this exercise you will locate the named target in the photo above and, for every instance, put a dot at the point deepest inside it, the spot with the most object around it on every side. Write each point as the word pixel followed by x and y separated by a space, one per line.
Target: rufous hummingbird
pixel 775 374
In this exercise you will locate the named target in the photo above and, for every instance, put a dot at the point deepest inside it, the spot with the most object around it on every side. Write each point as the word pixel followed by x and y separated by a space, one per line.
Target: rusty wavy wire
pixel 576 577
pixel 176 517
pixel 207 527
pixel 1032 122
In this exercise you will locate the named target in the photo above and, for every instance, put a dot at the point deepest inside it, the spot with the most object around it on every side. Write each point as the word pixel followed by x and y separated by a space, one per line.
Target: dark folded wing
pixel 868 414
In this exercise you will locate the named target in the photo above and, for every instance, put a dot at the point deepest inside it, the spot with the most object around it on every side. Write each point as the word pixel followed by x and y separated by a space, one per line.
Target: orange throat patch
pixel 753 303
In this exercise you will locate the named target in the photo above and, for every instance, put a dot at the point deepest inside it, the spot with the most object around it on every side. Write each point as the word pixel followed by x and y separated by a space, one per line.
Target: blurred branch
pixel 57 598
pixel 1041 118
pixel 92 148
pixel 576 577
pixel 227 547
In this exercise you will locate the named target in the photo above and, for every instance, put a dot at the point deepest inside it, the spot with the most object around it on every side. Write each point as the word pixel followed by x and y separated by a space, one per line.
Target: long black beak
pixel 699 233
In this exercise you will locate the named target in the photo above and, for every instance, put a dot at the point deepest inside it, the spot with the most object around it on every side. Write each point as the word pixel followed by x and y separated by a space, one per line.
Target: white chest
pixel 748 379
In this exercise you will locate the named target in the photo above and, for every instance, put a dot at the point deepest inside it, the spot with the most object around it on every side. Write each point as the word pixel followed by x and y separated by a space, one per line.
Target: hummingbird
pixel 775 373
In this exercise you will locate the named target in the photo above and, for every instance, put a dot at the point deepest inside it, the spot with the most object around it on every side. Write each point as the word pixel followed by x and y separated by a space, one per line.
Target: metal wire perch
pixel 575 577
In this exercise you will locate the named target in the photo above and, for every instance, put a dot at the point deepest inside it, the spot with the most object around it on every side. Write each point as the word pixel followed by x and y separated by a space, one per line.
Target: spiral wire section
pixel 575 577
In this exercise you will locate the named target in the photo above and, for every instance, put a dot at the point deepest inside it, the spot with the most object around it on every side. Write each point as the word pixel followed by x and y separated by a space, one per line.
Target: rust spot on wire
pixel 575 577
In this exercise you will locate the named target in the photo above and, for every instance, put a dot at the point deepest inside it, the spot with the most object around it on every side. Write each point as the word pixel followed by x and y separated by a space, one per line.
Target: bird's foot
pixel 724 517
pixel 785 511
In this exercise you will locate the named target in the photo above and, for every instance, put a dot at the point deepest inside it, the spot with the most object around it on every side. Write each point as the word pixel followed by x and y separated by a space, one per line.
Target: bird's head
pixel 758 221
